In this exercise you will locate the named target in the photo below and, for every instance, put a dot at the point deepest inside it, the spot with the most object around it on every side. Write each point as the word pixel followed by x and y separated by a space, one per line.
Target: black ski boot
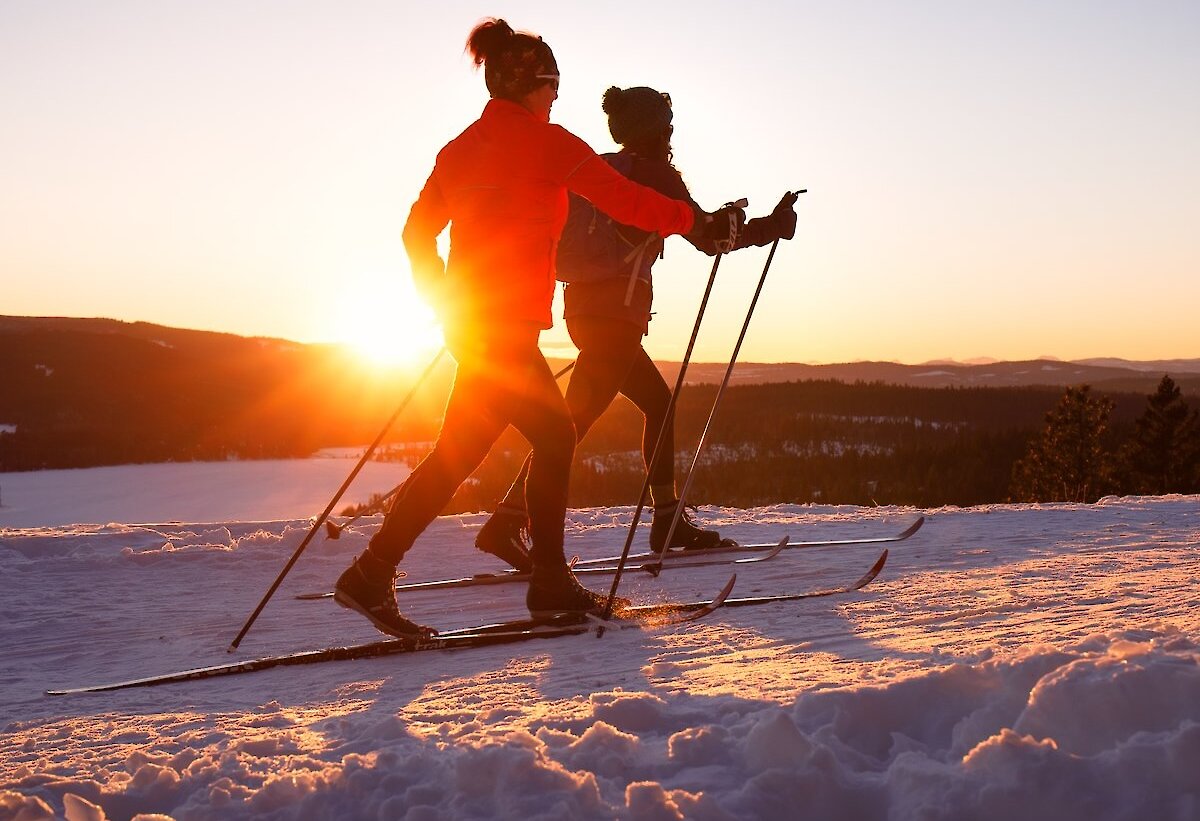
pixel 686 534
pixel 555 590
pixel 504 536
pixel 369 587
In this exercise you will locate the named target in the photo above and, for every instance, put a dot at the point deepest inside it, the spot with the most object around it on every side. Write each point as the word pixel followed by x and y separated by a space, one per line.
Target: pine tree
pixel 1068 462
pixel 1164 454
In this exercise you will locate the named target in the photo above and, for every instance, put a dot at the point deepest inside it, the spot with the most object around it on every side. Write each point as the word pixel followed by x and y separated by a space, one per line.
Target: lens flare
pixel 382 318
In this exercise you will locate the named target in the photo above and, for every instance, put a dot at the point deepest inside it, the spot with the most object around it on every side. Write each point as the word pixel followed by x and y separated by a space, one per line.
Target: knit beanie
pixel 636 114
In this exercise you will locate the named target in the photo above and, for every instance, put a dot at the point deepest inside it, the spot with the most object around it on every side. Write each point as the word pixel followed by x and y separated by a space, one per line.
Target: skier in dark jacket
pixel 607 319
pixel 502 188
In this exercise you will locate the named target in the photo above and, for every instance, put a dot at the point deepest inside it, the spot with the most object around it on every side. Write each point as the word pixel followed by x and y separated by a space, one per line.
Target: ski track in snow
pixel 1032 661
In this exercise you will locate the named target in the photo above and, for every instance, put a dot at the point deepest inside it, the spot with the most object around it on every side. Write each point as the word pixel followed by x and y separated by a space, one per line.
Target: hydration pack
pixel 592 246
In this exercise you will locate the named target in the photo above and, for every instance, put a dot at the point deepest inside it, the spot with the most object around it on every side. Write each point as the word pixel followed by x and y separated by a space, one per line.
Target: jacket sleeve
pixel 666 179
pixel 622 199
pixel 759 231
pixel 427 219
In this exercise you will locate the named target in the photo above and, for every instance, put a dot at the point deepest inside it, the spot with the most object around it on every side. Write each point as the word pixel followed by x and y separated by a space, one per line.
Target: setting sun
pixel 383 319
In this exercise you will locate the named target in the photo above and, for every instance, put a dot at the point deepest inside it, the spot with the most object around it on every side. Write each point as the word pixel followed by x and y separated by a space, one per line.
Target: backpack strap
pixel 623 164
pixel 637 255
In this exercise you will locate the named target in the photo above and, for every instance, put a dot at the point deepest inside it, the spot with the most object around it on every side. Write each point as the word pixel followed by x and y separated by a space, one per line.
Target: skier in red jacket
pixel 502 187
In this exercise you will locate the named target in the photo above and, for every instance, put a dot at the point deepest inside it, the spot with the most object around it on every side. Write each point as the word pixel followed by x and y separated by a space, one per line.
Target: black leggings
pixel 503 380
pixel 611 360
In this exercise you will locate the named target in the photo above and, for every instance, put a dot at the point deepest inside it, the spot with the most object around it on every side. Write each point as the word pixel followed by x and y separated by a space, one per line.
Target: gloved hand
pixel 784 216
pixel 722 227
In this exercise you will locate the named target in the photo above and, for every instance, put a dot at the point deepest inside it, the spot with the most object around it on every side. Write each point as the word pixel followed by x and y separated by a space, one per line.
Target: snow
pixel 1011 661
pixel 190 492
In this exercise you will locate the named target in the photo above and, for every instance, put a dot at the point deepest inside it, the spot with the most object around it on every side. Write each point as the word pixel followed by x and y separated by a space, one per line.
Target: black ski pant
pixel 502 379
pixel 611 361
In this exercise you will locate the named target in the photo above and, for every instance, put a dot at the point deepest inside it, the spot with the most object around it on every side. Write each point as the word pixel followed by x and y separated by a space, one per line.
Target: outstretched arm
pixel 628 202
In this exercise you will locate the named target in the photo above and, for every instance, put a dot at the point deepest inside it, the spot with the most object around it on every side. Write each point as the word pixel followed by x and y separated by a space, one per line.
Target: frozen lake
pixel 265 490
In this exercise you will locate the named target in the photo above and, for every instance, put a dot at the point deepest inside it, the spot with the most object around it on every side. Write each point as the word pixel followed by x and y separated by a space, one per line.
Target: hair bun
pixel 613 100
pixel 488 39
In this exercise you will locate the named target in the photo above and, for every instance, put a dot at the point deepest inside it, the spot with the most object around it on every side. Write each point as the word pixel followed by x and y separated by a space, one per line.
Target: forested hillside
pixel 818 441
pixel 79 393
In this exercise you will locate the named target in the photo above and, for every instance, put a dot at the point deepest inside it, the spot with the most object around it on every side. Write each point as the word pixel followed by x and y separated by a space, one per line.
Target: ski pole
pixel 334 531
pixel 671 410
pixel 637 513
pixel 317 524
pixel 654 565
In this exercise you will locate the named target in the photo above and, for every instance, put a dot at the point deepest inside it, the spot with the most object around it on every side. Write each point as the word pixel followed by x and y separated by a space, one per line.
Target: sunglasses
pixel 553 78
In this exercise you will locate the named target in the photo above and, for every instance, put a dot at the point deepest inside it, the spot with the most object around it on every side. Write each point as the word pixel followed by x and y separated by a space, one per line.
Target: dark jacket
pixel 606 298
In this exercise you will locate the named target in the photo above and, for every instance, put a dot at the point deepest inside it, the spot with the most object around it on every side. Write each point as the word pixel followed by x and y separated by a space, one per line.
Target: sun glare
pixel 385 321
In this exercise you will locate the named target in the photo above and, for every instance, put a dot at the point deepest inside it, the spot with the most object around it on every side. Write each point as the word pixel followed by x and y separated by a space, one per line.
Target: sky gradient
pixel 1005 180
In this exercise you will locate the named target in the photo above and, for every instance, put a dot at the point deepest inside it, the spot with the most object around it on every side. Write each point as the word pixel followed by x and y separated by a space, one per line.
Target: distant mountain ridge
pixel 1102 373
pixel 1131 376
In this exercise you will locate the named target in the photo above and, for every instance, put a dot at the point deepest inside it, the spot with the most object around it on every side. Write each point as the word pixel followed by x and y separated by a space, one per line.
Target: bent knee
pixel 556 438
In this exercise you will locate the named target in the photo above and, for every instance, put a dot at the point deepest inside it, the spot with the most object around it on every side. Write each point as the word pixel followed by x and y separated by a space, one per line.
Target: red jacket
pixel 502 186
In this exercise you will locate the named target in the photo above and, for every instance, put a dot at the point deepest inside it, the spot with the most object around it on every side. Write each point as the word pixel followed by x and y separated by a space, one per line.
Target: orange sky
pixel 1012 181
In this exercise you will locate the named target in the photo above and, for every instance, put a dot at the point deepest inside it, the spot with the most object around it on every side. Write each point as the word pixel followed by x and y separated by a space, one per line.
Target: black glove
pixel 784 216
pixel 722 227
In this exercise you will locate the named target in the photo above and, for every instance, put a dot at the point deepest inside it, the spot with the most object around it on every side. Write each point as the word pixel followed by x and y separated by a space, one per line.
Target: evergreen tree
pixel 1068 462
pixel 1163 455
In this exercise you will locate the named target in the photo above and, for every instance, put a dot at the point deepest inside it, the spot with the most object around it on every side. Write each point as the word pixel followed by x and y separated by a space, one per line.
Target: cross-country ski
pixel 641 562
pixel 657 615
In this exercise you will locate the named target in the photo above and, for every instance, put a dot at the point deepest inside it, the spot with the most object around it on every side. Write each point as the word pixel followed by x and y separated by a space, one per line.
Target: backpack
pixel 592 246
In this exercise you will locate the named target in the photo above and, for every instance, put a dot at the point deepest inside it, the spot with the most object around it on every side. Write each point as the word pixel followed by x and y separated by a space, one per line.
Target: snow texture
pixel 1012 661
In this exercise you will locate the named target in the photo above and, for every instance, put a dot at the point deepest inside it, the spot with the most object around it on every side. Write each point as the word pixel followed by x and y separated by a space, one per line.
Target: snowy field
pixel 262 490
pixel 1011 662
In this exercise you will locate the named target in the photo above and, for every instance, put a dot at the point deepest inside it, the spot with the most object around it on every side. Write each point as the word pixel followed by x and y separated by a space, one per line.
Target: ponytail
pixel 488 39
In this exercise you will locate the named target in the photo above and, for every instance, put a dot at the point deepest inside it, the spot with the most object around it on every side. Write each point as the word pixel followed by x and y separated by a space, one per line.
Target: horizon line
pixel 550 350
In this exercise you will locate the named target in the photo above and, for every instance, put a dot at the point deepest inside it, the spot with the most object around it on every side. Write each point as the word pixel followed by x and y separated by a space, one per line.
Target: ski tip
pixel 332 531
pixel 913 528
pixel 727 589
pixel 875 570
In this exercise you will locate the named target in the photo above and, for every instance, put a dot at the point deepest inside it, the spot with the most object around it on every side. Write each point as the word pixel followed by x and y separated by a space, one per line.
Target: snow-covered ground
pixel 1011 662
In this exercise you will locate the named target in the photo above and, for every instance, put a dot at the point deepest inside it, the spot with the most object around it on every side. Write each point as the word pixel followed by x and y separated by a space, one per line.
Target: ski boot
pixel 555 590
pixel 687 535
pixel 504 536
pixel 369 587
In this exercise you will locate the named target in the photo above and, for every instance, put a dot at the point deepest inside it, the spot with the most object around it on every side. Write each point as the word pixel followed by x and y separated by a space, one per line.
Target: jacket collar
pixel 505 108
